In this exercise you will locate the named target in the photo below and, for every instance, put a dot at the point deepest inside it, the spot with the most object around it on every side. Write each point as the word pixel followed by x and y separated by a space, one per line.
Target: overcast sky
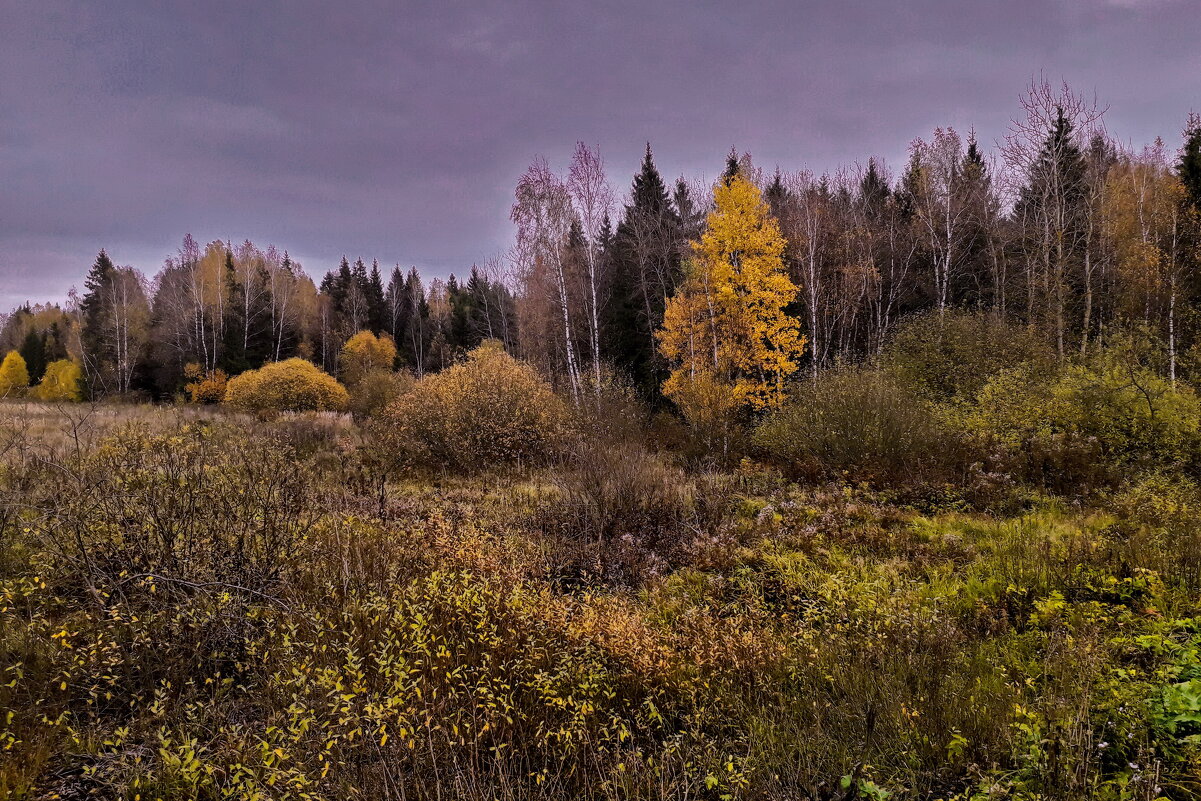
pixel 397 130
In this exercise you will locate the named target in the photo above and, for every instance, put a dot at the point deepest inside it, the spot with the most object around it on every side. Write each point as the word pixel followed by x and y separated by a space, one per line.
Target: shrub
pixel 628 513
pixel 364 353
pixel 953 355
pixel 293 385
pixel 376 390
pixel 1084 417
pixel 860 422
pixel 205 388
pixel 611 412
pixel 60 382
pixel 492 408
pixel 14 377
pixel 712 410
pixel 214 503
pixel 1159 526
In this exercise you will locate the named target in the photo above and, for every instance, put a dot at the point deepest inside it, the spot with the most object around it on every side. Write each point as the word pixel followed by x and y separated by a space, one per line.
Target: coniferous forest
pixel 878 483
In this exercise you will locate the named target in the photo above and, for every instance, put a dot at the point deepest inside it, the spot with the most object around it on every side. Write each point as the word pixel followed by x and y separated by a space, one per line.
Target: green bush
pixel 375 390
pixel 953 354
pixel 293 385
pixel 860 423
pixel 491 408
pixel 1160 526
pixel 1082 422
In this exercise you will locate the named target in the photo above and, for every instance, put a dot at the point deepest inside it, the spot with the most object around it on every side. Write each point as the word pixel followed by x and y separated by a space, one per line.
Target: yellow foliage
pixel 205 388
pixel 365 352
pixel 725 328
pixel 1142 203
pixel 493 408
pixel 14 377
pixel 60 382
pixel 292 385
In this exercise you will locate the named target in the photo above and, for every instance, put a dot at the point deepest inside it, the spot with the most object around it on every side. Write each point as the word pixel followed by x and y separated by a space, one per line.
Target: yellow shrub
pixel 376 389
pixel 205 387
pixel 294 385
pixel 60 382
pixel 365 352
pixel 493 408
pixel 14 377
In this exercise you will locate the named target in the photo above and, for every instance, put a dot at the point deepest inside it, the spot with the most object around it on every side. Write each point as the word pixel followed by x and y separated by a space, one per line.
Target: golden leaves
pixel 726 330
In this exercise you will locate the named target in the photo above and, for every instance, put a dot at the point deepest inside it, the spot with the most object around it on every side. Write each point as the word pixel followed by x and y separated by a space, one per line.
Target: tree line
pixel 1058 227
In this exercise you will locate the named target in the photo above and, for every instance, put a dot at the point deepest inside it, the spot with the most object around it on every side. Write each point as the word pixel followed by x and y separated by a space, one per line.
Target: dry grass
pixel 201 605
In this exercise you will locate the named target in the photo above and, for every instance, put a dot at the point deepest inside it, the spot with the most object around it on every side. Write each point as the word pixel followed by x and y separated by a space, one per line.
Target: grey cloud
pixel 397 130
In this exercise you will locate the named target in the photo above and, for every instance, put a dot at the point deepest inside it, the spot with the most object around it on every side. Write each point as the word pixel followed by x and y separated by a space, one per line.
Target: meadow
pixel 901 585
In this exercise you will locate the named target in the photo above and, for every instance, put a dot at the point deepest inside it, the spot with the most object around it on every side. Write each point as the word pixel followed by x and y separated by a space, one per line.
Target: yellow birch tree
pixel 14 377
pixel 725 332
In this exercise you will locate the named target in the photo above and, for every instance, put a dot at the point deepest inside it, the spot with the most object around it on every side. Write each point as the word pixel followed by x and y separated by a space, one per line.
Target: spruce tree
pixel 374 291
pixel 458 304
pixel 259 340
pixel 911 185
pixel 476 297
pixel 33 351
pixel 233 345
pixel 973 159
pixel 733 168
pixel 55 344
pixel 396 310
pixel 776 194
pixel 1189 165
pixel 1055 200
pixel 416 341
pixel 645 267
pixel 337 284
pixel 97 351
pixel 873 188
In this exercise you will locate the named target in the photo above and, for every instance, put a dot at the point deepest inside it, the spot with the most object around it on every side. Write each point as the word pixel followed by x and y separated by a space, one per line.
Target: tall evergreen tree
pixel 233 345
pixel 415 343
pixel 1053 207
pixel 1188 167
pixel 55 343
pixel 374 290
pixel 776 194
pixel 33 351
pixel 355 311
pixel 96 350
pixel 873 188
pixel 259 339
pixel 645 269
pixel 460 302
pixel 396 308
pixel 733 167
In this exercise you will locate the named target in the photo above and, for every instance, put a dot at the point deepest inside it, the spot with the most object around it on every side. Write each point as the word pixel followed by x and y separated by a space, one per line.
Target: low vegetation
pixel 484 591
pixel 491 409
pixel 293 385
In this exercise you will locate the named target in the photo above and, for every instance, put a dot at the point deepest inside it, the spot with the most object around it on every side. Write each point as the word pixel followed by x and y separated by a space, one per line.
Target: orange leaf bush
pixel 205 388
pixel 14 377
pixel 60 382
pixel 492 408
pixel 293 385
pixel 364 353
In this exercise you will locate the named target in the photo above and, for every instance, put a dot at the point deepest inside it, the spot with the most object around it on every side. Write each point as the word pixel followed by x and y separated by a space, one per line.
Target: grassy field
pixel 203 605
